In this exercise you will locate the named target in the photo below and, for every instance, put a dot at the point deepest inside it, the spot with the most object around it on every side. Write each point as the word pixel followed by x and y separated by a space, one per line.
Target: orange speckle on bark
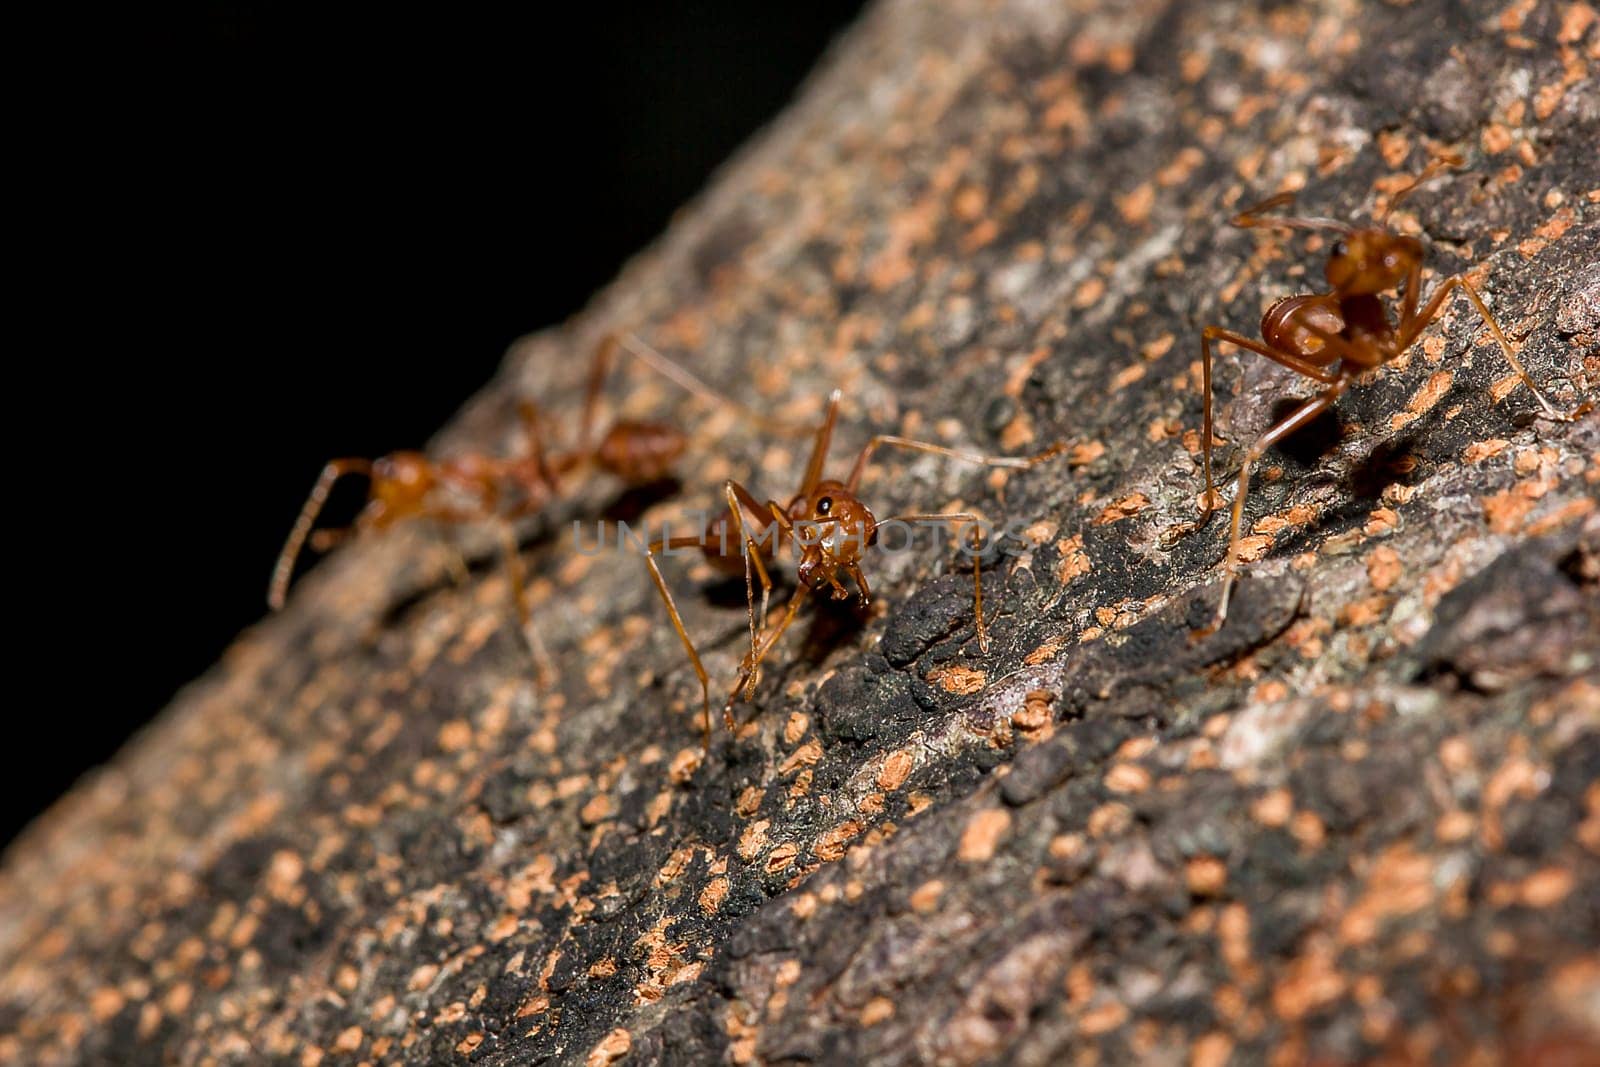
pixel 749 801
pixel 831 846
pixel 1135 205
pixel 1365 612
pixel 1306 828
pixel 753 840
pixel 612 1048
pixel 1575 21
pixel 1432 391
pixel 1383 567
pixel 1212 1050
pixel 455 735
pixel 982 835
pixel 1085 453
pixel 963 681
pixel 1206 876
pixel 781 856
pixel 1505 511
pixel 1127 778
pixel 1109 819
pixel 1127 376
pixel 1103 1018
pixel 925 898
pixel 1273 808
pixel 596 810
pixel 1479 451
pixel 1122 508
pixel 1547 887
pixel 1252 548
pixel 1569 512
pixel 1089 293
pixel 897 767
pixel 1311 982
pixel 1380 521
pixel 1034 715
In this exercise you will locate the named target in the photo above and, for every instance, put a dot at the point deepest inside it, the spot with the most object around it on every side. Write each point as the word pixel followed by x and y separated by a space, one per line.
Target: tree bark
pixel 1361 821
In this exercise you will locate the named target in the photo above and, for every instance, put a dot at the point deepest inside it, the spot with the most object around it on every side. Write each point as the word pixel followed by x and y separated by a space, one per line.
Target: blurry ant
pixel 1337 337
pixel 475 487
pixel 830 527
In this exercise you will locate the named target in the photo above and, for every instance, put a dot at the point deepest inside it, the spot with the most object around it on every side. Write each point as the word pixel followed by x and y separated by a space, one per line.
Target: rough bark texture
pixel 1361 821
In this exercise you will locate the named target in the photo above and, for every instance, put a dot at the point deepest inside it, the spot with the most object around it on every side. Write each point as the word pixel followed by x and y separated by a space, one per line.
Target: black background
pixel 277 233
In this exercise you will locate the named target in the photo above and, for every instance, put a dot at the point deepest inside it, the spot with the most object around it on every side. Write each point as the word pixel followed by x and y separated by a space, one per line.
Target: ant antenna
pixel 671 369
pixel 1445 161
pixel 1252 217
pixel 278 589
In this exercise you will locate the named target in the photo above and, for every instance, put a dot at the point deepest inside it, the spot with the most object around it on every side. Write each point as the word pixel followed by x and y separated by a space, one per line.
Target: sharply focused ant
pixel 1336 337
pixel 829 527
pixel 475 487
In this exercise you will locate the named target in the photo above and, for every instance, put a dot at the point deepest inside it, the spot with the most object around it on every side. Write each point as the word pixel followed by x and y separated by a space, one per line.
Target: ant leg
pixel 749 671
pixel 1260 348
pixel 977 590
pixel 517 576
pixel 679 375
pixel 1302 415
pixel 819 446
pixel 1211 333
pixel 1009 462
pixel 455 564
pixel 757 512
pixel 599 371
pixel 532 426
pixel 1410 329
pixel 1408 307
pixel 283 570
pixel 854 571
pixel 650 550
pixel 752 556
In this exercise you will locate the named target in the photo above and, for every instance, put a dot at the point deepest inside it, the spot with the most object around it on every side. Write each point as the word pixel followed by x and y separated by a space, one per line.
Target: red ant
pixel 475 487
pixel 1337 337
pixel 831 528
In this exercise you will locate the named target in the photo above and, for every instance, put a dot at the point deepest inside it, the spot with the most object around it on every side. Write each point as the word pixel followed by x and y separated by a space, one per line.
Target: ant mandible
pixel 475 487
pixel 831 528
pixel 1336 337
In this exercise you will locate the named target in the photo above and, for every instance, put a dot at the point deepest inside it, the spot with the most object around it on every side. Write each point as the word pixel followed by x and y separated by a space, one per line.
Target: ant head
pixel 834 529
pixel 400 484
pixel 1367 262
pixel 641 453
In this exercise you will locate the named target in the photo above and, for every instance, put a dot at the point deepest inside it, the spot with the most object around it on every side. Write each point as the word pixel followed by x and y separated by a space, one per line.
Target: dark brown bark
pixel 1361 820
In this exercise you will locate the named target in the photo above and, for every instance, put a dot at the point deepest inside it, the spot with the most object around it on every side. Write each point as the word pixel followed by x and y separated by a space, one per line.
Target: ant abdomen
pixel 640 453
pixel 1295 324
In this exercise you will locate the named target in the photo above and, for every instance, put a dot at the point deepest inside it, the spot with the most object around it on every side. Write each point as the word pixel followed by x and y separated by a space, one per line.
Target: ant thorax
pixel 1367 322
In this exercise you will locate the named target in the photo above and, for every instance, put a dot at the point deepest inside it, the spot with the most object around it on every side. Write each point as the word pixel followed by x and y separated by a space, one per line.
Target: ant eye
pixel 825 505
pixel 1339 247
